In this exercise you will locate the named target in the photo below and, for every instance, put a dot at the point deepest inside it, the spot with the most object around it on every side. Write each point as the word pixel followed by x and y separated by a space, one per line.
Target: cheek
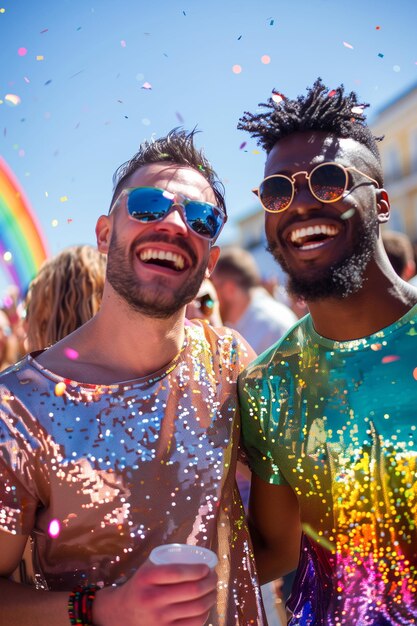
pixel 271 225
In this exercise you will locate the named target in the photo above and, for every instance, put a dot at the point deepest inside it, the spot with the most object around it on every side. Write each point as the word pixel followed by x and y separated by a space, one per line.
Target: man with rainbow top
pixel 329 412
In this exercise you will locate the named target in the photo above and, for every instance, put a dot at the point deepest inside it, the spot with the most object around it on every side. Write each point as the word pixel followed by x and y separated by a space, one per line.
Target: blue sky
pixel 84 109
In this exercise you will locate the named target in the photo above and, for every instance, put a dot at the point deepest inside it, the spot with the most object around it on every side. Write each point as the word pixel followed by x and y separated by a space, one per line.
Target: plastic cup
pixel 184 554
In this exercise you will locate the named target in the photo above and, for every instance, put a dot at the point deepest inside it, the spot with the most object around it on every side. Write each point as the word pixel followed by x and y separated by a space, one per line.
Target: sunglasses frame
pixel 308 176
pixel 175 205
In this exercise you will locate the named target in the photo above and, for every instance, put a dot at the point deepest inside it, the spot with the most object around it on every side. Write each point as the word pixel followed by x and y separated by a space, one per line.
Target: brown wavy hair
pixel 65 294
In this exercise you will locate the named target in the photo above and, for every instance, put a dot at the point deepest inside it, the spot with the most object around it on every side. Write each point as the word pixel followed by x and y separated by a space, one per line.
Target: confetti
pixel 242 145
pixel 239 38
pixel 2 10
pixel 71 354
pixel 380 55
pixel 347 45
pixel 123 43
pixel 377 28
pixel 415 373
pixel 236 69
pixel 69 220
pixel 266 59
pixel 54 223
pixel 332 93
pixel 347 214
pixel 12 99
pixel 63 199
pixel 146 85
pixel 48 82
pixel 22 52
pixel 40 57
pixel 45 30
pixel 54 528
pixel 60 389
pixel 26 79
pixel 376 346
pixel 7 256
pixel 277 97
pixel 391 358
pixel 271 21
pixel 179 117
pixel 184 13
pixel 358 109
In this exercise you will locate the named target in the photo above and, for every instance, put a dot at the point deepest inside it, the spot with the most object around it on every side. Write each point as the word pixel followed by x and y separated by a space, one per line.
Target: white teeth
pixel 320 229
pixel 162 255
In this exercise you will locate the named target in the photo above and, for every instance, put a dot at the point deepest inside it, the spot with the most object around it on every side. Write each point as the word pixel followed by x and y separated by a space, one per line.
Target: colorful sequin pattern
pixel 338 422
pixel 101 475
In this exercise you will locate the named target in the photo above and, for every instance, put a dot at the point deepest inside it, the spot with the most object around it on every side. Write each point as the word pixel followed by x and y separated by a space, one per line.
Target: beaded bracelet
pixel 80 605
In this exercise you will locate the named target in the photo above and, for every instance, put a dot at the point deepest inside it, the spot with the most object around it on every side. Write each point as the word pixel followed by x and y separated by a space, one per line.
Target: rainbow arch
pixel 20 234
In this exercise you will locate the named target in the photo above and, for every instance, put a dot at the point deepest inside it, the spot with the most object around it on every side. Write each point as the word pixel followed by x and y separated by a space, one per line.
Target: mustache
pixel 179 242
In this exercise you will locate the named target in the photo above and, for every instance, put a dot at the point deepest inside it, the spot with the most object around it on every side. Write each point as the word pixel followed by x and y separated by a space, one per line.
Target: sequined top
pixel 99 475
pixel 337 422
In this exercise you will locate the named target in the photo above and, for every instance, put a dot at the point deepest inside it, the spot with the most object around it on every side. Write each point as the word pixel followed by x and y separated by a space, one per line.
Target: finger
pixel 175 573
pixel 192 609
pixel 167 595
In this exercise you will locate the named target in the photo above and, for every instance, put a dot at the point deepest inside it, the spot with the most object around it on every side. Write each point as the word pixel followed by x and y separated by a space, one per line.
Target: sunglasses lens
pixel 328 182
pixel 204 219
pixel 147 204
pixel 275 193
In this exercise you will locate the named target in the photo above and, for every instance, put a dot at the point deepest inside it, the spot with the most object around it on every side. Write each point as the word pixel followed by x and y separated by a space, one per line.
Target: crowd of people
pixel 156 390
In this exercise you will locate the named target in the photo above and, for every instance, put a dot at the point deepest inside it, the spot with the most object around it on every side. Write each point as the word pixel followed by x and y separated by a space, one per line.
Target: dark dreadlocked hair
pixel 320 110
pixel 177 147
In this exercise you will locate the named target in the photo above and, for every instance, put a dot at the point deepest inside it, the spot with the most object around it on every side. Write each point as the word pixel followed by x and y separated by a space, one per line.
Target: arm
pixel 161 595
pixel 275 526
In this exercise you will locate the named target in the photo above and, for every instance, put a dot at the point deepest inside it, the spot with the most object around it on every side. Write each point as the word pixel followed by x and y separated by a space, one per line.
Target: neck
pixel 118 344
pixel 383 299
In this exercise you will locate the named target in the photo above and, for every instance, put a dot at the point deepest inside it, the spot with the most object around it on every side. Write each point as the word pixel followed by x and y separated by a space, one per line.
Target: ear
pixel 383 205
pixel 103 233
pixel 213 258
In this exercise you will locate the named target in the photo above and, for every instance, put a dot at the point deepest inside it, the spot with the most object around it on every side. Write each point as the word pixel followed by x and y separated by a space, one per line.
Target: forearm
pixel 21 605
pixel 274 561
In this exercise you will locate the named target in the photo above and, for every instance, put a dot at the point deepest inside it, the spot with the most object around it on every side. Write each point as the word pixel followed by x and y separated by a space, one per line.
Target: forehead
pixel 174 178
pixel 302 151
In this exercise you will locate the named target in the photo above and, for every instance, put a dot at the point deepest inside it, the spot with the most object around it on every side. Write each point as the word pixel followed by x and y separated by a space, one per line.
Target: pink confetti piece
pixel 391 358
pixel 146 85
pixel 123 43
pixel 54 528
pixel 236 69
pixel 266 59
pixel 70 353
pixel 332 93
pixel 22 52
pixel 347 45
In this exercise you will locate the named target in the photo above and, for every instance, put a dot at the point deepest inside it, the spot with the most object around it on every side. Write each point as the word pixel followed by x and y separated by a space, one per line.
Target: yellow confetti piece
pixel 12 99
pixel 60 389
pixel 54 223
pixel 63 199
pixel 2 10
pixel 40 57
pixel 255 152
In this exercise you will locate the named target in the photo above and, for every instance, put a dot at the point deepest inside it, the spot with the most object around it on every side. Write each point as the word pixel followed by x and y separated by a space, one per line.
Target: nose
pixel 174 222
pixel 303 199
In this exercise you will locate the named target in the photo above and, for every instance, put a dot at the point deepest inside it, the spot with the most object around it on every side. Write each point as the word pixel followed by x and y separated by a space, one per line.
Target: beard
pixel 156 299
pixel 340 280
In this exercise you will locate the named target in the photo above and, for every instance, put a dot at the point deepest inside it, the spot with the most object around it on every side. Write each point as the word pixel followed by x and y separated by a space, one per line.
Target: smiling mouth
pixel 309 237
pixel 163 258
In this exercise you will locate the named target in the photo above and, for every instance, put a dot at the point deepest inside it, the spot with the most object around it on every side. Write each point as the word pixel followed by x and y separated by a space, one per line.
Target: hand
pixel 159 594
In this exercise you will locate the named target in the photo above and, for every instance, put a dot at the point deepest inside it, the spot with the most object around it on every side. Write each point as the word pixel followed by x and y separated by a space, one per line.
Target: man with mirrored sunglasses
pixel 328 412
pixel 124 435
